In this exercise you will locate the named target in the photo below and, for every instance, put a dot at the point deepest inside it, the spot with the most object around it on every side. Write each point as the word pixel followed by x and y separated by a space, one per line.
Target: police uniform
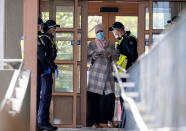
pixel 127 48
pixel 50 52
pixel 42 63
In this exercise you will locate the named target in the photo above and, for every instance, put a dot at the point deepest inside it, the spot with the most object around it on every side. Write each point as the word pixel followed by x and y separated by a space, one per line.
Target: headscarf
pixel 100 43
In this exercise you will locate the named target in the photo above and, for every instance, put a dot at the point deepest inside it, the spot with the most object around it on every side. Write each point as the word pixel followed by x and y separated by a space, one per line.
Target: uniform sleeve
pixel 53 66
pixel 132 49
pixel 48 49
pixel 41 56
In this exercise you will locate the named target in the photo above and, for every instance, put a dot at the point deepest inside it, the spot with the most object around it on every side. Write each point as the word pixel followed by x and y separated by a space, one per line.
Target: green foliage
pixel 65 19
pixel 45 16
pixel 92 22
pixel 64 82
pixel 65 49
pixel 130 23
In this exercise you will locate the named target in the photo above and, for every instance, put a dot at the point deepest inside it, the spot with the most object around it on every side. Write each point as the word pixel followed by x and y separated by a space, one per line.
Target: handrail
pixel 11 60
pixel 12 82
pixel 139 120
pixel 124 70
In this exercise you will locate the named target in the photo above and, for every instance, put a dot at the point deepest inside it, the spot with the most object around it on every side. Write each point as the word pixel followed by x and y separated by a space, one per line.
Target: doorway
pixel 76 17
pixel 126 13
pixel 68 106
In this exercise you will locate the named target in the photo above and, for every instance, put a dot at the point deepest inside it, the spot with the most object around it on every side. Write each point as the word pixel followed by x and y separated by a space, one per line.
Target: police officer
pixel 127 45
pixel 50 51
pixel 39 61
pixel 42 62
pixel 127 48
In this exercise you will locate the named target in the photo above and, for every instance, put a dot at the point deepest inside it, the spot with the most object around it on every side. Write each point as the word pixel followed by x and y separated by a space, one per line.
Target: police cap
pixel 117 25
pixel 40 21
pixel 49 24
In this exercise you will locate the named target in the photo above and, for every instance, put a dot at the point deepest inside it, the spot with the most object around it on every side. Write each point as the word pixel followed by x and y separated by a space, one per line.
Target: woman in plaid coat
pixel 100 92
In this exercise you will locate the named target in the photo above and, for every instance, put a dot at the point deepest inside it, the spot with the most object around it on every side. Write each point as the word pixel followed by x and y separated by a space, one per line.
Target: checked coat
pixel 100 77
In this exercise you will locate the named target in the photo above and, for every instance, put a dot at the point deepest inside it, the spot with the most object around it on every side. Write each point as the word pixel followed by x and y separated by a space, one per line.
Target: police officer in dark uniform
pixel 39 61
pixel 127 45
pixel 42 62
pixel 127 48
pixel 50 51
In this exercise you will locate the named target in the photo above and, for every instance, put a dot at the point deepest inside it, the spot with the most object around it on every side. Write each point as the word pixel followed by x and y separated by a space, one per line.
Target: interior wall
pixel 13 28
pixel 2 29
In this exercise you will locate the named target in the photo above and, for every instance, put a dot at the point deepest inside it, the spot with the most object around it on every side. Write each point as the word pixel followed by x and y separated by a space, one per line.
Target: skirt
pixel 100 108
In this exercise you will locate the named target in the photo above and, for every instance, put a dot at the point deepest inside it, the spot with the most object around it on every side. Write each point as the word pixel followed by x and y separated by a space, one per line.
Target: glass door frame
pixel 82 63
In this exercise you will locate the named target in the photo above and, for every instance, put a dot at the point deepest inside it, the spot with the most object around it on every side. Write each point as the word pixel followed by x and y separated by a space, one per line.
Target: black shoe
pixel 117 126
pixel 55 128
pixel 48 128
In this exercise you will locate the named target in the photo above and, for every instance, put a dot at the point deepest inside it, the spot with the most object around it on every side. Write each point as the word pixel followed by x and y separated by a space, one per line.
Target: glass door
pixel 68 108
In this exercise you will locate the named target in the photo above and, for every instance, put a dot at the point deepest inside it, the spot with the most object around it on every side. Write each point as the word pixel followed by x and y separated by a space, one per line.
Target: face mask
pixel 53 34
pixel 42 31
pixel 117 37
pixel 100 36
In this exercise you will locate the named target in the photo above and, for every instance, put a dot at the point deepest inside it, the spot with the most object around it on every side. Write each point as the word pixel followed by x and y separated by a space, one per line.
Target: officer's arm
pixel 132 49
pixel 42 58
pixel 53 66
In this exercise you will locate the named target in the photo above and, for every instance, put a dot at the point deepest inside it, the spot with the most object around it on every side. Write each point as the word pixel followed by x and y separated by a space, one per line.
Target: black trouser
pixel 45 99
pixel 100 108
pixel 38 89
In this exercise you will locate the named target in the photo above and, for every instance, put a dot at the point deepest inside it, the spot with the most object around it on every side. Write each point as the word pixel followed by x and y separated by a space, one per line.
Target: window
pixel 130 23
pixel 164 11
pixel 92 22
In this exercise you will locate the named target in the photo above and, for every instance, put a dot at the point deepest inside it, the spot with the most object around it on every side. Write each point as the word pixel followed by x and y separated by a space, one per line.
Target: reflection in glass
pixel 79 68
pixel 117 90
pixel 79 47
pixel 65 16
pixel 147 19
pixel 64 82
pixel 130 23
pixel 146 43
pixel 117 111
pixel 79 24
pixel 92 22
pixel 155 37
pixel 164 11
pixel 64 42
pixel 161 14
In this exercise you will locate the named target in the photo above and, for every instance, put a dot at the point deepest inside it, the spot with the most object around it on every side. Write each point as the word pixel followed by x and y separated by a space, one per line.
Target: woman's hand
pixel 102 54
pixel 97 56
pixel 107 54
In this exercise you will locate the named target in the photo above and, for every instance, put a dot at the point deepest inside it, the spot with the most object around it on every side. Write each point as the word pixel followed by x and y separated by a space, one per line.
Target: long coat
pixel 100 77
